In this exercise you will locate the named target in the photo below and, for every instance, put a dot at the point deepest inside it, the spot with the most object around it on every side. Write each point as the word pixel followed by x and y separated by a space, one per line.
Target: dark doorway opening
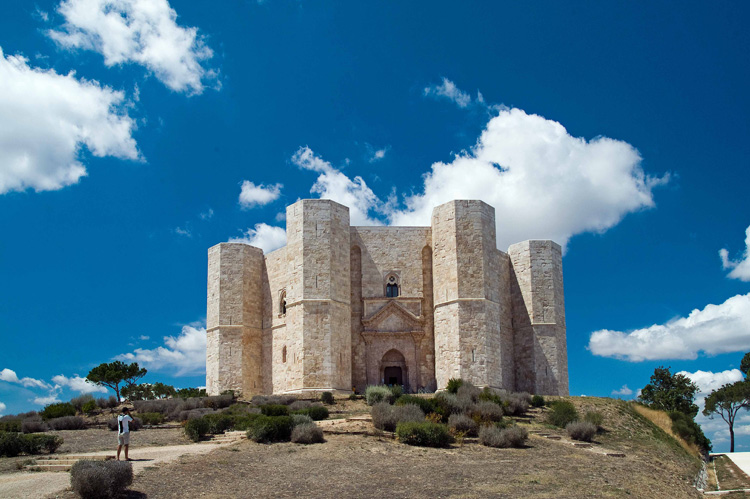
pixel 393 376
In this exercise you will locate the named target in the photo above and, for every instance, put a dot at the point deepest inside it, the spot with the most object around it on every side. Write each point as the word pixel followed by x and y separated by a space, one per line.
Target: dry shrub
pixel 493 436
pixel 107 402
pixel 273 400
pixel 32 426
pixel 487 412
pixel 67 423
pixel 300 419
pixel 307 433
pixel 299 405
pixel 581 430
pixel 101 479
pixel 80 401
pixel 387 417
pixel 375 394
pixel 464 424
pixel 518 403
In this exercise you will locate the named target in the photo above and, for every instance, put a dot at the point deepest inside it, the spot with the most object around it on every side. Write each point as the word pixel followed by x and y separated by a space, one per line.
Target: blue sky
pixel 136 134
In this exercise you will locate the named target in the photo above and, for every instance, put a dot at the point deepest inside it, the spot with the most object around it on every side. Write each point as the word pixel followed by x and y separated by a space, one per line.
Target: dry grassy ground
pixel 366 466
pixel 76 441
pixel 730 477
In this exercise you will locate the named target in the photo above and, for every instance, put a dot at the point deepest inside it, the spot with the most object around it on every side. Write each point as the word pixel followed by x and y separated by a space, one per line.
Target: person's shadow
pixel 133 494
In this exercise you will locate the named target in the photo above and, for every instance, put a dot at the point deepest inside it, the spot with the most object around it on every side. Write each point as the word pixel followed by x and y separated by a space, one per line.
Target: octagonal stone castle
pixel 342 307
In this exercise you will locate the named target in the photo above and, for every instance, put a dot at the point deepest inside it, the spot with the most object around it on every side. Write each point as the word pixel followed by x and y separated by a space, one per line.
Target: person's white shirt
pixel 123 420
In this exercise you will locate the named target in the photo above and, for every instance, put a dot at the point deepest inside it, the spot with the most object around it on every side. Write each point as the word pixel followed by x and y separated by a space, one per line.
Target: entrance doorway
pixel 393 376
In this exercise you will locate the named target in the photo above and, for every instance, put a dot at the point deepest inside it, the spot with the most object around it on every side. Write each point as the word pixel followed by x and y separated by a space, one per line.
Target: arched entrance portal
pixel 393 369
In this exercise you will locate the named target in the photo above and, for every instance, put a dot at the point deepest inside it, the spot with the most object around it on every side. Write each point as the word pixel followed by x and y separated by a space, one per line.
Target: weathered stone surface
pixel 315 315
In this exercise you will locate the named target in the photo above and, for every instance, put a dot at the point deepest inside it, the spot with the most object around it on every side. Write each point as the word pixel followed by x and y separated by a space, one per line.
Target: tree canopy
pixel 745 364
pixel 727 402
pixel 111 374
pixel 670 392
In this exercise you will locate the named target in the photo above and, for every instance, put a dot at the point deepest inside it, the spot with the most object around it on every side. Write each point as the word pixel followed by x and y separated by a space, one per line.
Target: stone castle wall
pixel 464 308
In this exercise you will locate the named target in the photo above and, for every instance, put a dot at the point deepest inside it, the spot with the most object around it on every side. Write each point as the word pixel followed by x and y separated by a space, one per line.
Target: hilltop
pixel 631 457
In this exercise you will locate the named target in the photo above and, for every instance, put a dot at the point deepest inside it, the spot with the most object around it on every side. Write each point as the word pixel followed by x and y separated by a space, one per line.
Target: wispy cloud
pixel 143 32
pixel 740 268
pixel 623 392
pixel 448 90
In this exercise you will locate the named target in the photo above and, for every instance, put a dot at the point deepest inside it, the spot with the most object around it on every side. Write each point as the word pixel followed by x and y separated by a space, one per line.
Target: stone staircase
pixel 62 462
pixel 228 437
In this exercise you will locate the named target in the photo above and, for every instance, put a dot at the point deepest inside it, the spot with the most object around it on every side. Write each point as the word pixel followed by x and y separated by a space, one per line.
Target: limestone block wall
pixel 319 292
pixel 405 252
pixel 539 317
pixel 466 284
pixel 233 318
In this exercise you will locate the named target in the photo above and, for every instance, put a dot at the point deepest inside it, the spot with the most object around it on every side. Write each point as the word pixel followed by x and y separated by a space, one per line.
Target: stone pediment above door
pixel 393 318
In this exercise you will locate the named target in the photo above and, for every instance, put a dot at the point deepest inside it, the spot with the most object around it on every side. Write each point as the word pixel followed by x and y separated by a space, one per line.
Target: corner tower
pixel 541 355
pixel 234 319
pixel 466 290
pixel 319 294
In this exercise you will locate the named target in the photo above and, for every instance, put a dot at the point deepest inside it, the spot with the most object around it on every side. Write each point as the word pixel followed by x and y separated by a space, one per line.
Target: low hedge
pixel 59 410
pixel 561 413
pixel 13 444
pixel 274 410
pixel 316 412
pixel 266 429
pixel 424 434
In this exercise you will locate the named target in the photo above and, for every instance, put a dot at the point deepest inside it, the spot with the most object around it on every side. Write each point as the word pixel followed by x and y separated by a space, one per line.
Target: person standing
pixel 123 432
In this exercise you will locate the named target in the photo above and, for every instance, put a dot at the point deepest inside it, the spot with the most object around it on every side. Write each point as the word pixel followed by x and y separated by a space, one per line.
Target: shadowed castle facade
pixel 341 307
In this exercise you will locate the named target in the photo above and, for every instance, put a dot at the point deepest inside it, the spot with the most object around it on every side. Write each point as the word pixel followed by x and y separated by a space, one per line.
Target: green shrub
pixel 486 412
pixel 152 418
pixel 453 385
pixel 327 398
pixel 89 407
pixel 218 401
pixel 537 401
pixel 595 418
pixel 11 425
pixel 316 412
pixel 218 423
pixel 387 417
pixel 463 423
pixel 274 410
pixel 100 479
pixel 67 423
pixel 446 403
pixel 424 434
pixel 353 396
pixel 59 410
pixel 581 430
pixel 686 427
pixel 426 405
pixel 490 395
pixel 493 436
pixel 11 444
pixel 379 393
pixel 307 433
pixel 243 422
pixel 396 390
pixel 195 429
pixel 561 413
pixel 266 429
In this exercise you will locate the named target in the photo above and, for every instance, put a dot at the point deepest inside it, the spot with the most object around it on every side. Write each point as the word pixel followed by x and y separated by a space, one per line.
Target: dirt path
pixel 32 484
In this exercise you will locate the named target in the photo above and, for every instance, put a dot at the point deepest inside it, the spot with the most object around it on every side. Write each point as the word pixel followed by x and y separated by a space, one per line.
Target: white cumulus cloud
pixel 2 408
pixel 263 236
pixel 448 90
pixel 78 384
pixel 252 195
pixel 623 392
pixel 543 182
pixel 713 330
pixel 49 399
pixel 740 268
pixel 47 118
pixel 334 185
pixel 143 32
pixel 184 354
pixel 11 377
